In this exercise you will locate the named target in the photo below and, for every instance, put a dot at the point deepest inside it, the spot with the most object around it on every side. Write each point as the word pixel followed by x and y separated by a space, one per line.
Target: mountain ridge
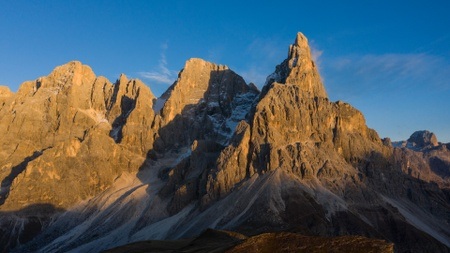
pixel 113 164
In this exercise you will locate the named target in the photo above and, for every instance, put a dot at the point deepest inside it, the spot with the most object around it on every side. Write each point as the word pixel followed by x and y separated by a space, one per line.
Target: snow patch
pixel 241 105
pixel 275 76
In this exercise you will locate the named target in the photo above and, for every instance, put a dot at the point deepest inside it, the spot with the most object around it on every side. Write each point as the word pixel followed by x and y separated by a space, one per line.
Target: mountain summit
pixel 299 69
pixel 88 165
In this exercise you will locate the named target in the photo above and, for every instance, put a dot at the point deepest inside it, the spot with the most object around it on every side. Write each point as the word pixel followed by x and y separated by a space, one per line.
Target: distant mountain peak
pixel 423 138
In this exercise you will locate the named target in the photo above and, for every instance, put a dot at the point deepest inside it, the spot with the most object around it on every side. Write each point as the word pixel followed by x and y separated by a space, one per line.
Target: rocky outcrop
pixel 133 123
pixel 205 102
pixel 203 108
pixel 5 95
pixel 299 69
pixel 232 166
pixel 67 136
pixel 296 128
pixel 423 139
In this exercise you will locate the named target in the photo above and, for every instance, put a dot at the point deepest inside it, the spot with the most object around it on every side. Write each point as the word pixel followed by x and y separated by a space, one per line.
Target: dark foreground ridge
pixel 283 242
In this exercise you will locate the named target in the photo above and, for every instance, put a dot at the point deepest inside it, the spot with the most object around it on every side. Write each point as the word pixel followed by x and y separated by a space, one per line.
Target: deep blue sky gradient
pixel 389 59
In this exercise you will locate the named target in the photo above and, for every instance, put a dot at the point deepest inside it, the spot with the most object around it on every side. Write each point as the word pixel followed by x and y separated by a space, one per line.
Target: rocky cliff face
pixel 206 102
pixel 299 69
pixel 211 152
pixel 296 128
pixel 72 124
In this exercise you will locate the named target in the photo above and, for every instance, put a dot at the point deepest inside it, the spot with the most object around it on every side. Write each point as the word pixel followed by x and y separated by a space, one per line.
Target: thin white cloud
pixel 387 72
pixel 162 74
pixel 316 53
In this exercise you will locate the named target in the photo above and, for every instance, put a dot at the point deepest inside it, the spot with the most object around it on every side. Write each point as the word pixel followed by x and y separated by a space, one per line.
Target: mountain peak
pixel 200 63
pixel 5 91
pixel 73 72
pixel 69 67
pixel 197 79
pixel 301 40
pixel 299 51
pixel 299 69
pixel 123 78
pixel 423 138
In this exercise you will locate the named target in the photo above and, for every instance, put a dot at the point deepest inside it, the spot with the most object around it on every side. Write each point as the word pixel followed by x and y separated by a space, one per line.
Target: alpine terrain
pixel 87 165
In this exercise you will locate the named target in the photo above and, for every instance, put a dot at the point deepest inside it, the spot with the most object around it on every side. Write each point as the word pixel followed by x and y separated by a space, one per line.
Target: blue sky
pixel 389 59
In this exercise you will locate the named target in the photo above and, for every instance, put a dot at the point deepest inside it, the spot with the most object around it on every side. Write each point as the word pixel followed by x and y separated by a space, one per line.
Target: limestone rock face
pixel 296 131
pixel 60 136
pixel 5 91
pixel 201 109
pixel 232 165
pixel 296 128
pixel 206 102
pixel 5 95
pixel 134 124
pixel 299 69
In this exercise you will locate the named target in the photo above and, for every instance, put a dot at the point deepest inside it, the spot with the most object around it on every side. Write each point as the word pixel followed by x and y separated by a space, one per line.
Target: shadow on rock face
pixel 21 226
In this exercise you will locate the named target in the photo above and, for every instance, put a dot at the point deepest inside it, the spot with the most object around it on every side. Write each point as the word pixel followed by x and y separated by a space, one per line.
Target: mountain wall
pixel 88 165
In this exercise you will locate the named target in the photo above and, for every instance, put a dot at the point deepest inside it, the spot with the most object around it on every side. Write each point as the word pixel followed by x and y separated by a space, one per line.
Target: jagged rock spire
pixel 299 69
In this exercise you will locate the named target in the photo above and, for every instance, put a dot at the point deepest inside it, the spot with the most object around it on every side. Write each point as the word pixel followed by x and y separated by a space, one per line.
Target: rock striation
pixel 88 165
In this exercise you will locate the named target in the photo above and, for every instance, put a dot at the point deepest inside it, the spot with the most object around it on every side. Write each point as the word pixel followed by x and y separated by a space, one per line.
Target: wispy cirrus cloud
pixel 162 74
pixel 368 73
pixel 398 93
pixel 316 53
